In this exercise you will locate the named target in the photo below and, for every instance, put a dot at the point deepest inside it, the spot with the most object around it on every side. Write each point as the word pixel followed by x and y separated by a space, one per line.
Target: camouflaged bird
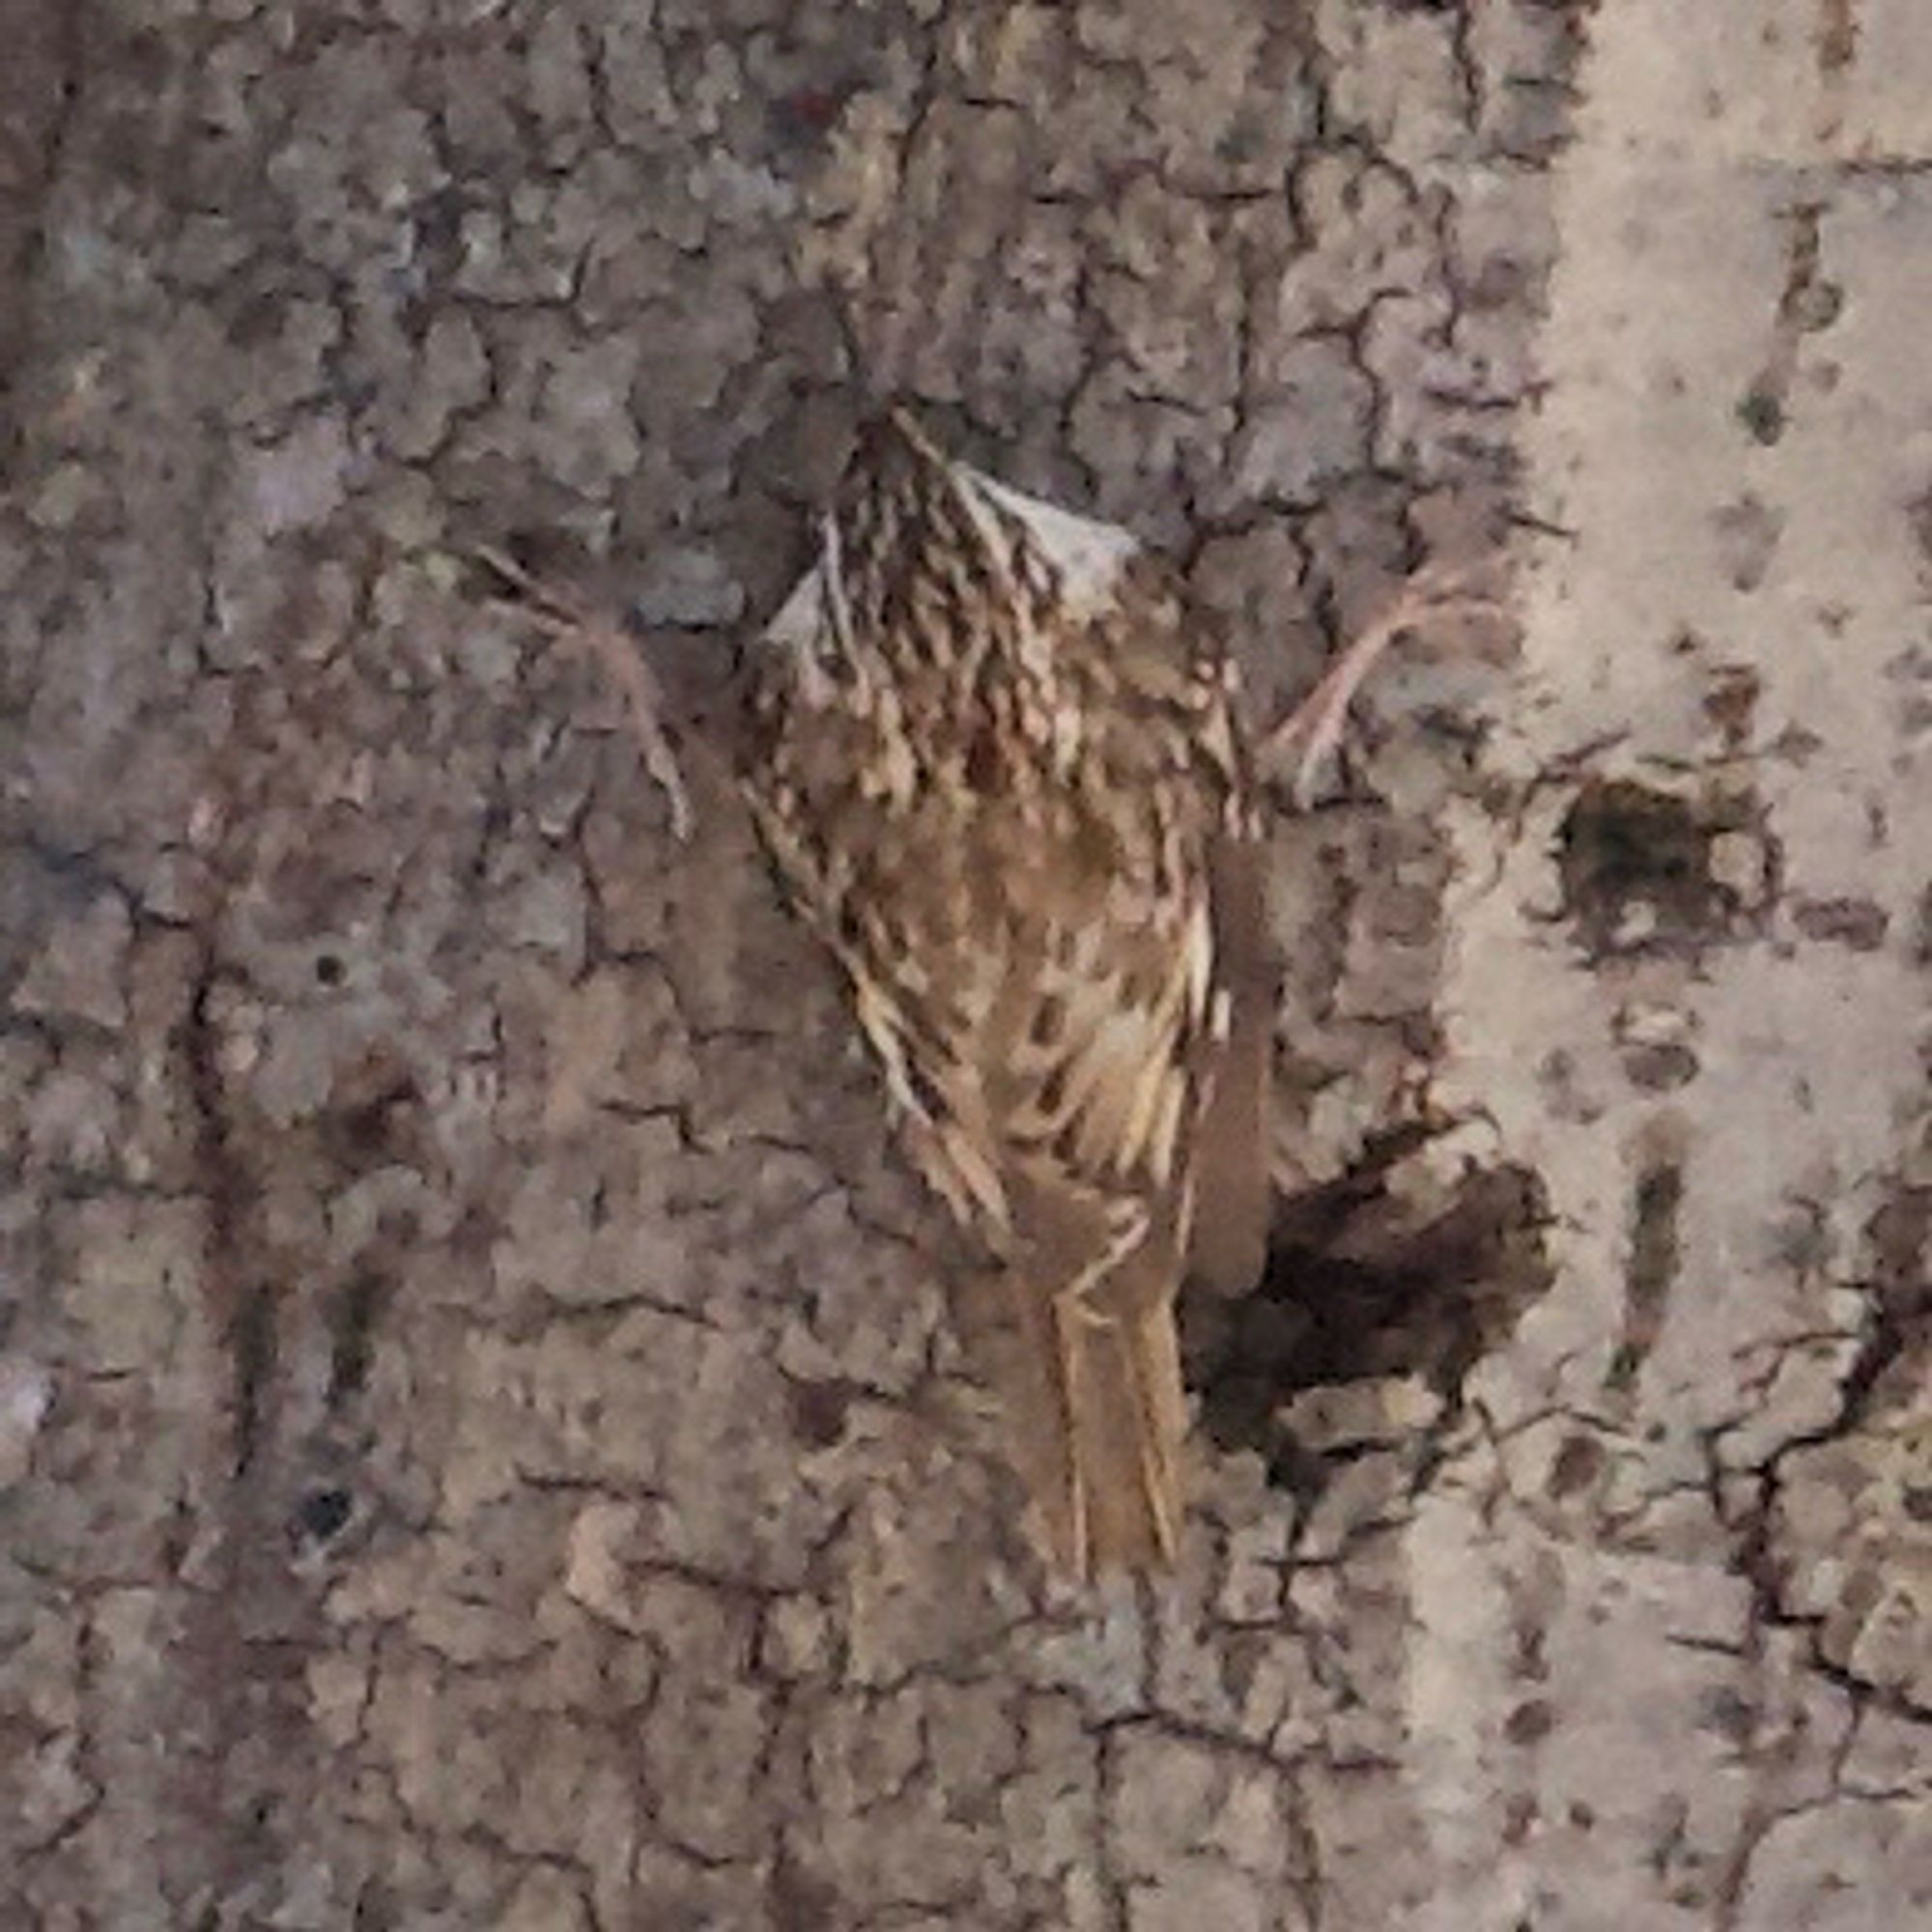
pixel 996 759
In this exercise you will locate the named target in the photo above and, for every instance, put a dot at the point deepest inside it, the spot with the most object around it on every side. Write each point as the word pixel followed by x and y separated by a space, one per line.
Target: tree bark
pixel 489 1435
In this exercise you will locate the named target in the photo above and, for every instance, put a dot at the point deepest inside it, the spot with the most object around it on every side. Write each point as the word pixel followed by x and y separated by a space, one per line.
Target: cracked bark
pixel 488 1437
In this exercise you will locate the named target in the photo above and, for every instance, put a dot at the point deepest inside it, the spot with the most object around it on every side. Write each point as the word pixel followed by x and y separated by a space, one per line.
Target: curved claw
pixel 1309 735
pixel 569 619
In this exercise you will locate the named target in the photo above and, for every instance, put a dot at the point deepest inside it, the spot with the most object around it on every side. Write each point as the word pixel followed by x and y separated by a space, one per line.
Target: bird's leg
pixel 1300 746
pixel 579 625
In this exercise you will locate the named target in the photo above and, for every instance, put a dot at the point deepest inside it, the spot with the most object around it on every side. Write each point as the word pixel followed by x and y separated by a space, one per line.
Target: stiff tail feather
pixel 1105 1456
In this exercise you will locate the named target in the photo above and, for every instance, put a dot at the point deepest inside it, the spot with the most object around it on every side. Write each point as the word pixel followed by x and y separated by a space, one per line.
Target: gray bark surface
pixel 489 1435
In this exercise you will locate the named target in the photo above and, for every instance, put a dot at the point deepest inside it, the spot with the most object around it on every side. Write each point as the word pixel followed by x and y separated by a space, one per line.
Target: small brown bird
pixel 996 759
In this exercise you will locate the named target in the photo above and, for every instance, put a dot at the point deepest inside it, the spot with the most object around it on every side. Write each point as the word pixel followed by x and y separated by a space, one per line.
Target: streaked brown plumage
pixel 997 762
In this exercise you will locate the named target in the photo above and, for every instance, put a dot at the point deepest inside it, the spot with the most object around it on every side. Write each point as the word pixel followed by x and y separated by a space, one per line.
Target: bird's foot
pixel 576 622
pixel 1297 749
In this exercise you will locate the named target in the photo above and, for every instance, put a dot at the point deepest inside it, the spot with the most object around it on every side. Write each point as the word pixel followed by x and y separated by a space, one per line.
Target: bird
pixel 997 760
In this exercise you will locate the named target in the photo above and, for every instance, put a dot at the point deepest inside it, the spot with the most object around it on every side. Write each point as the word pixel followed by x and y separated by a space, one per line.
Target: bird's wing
pixel 1093 1056
pixel 1228 1245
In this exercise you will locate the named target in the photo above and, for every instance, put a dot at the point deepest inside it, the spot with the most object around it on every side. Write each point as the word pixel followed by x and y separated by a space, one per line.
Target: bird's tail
pixel 1105 1460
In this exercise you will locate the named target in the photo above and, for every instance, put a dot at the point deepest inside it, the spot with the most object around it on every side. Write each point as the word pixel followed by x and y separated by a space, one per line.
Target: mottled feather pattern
pixel 995 761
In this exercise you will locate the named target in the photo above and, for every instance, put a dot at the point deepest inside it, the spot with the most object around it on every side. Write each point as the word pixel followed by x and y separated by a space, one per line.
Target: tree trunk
pixel 489 1435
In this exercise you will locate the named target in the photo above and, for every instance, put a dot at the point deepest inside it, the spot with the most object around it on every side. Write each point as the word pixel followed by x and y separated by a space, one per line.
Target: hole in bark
pixel 1637 870
pixel 1361 1288
pixel 323 1513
